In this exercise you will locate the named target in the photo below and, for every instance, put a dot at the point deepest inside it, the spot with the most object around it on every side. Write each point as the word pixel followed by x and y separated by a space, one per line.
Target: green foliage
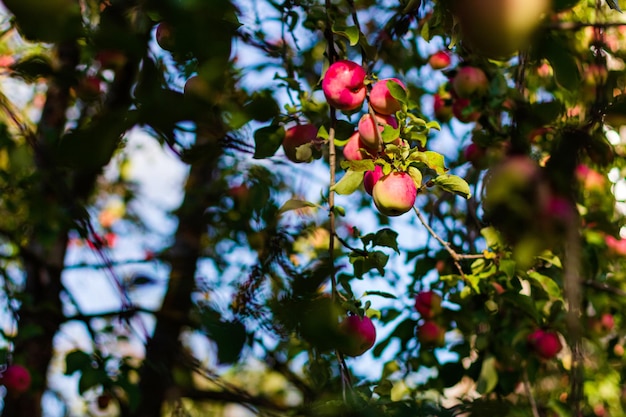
pixel 523 234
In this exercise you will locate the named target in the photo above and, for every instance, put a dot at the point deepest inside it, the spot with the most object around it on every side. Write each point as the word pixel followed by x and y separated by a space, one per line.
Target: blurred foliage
pixel 518 224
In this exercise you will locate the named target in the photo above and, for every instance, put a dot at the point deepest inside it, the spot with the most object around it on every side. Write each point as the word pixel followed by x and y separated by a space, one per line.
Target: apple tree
pixel 389 208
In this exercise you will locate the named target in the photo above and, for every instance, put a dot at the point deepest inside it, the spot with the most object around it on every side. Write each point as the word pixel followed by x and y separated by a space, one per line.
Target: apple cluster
pixel 429 332
pixel 468 84
pixel 344 86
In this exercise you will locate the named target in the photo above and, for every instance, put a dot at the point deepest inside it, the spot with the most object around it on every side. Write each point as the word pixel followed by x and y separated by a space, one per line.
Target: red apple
pixel 430 333
pixel 360 335
pixel 459 106
pixel 89 88
pixel 367 129
pixel 344 86
pixel 165 36
pixel 394 194
pixel 111 59
pixel 16 379
pixel 439 60
pixel 443 110
pixel 428 304
pixel 545 343
pixel 608 321
pixel 470 82
pixel 381 99
pixel 499 28
pixel 355 149
pixel 476 155
pixel 371 177
pixel 298 135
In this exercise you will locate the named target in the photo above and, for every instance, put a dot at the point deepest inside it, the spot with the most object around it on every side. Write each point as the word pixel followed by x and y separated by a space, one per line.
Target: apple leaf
pixel 323 133
pixel 349 183
pixel 350 32
pixel 295 204
pixel 548 285
pixel 389 134
pixel 267 141
pixel 90 378
pixel 380 294
pixel 397 91
pixel 433 125
pixel 371 260
pixel 614 5
pixel 566 72
pixel 77 360
pixel 304 152
pixel 488 378
pixel 416 175
pixel 433 160
pixel 387 238
pixel 359 166
pixel 453 184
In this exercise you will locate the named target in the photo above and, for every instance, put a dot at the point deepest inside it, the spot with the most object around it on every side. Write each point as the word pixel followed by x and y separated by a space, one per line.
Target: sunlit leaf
pixel 349 183
pixel 453 184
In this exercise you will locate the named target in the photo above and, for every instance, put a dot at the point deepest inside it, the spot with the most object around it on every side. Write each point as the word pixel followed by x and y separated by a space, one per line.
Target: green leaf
pixel 613 4
pixel 77 360
pixel 349 183
pixel 389 134
pixel 90 378
pixel 365 263
pixel 397 91
pixel 492 237
pixel 431 159
pixel 380 294
pixel 295 204
pixel 267 140
pixel 387 238
pixel 416 175
pixel 488 378
pixel 548 284
pixel 453 184
pixel 350 32
pixel 358 166
pixel 566 73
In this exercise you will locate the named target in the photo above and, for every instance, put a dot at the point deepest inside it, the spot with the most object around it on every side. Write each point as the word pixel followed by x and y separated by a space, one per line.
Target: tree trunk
pixel 163 349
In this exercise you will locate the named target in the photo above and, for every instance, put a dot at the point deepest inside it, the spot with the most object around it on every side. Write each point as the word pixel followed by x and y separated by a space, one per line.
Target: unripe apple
pixel 381 99
pixel 355 149
pixel 165 36
pixel 394 194
pixel 442 110
pixel 16 379
pixel 499 28
pixel 298 135
pixel 359 335
pixel 367 129
pixel 439 60
pixel 470 82
pixel 371 177
pixel 430 333
pixel 428 304
pixel 545 343
pixel 344 86
pixel 458 109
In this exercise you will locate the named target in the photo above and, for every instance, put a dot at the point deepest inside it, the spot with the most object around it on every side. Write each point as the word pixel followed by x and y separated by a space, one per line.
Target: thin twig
pixel 455 256
pixel 529 393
